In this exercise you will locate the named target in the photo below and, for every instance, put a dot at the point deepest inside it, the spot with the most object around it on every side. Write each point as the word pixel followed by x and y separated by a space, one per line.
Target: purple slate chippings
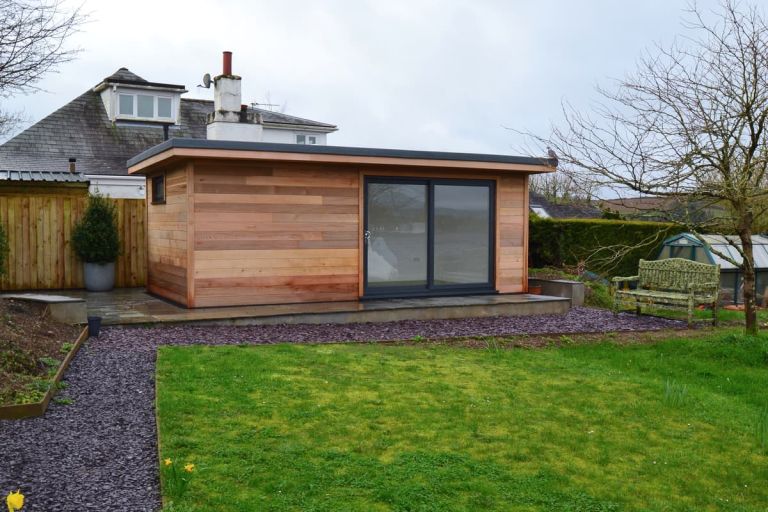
pixel 100 452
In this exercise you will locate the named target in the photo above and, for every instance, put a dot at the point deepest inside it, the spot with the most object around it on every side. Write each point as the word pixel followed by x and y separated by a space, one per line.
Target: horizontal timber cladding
pixel 39 221
pixel 274 233
pixel 167 231
pixel 512 229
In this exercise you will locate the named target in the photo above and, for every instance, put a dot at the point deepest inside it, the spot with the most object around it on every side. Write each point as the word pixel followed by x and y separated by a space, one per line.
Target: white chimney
pixel 230 119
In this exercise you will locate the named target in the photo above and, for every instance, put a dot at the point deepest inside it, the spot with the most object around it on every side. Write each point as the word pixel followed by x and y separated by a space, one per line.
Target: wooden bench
pixel 673 283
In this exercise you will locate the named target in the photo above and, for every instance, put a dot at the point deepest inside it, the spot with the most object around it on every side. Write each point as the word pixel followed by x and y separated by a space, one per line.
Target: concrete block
pixel 573 290
pixel 67 310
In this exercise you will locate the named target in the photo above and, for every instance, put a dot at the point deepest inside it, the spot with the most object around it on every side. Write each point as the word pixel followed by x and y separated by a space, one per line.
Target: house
pixel 662 209
pixel 244 223
pixel 546 209
pixel 124 114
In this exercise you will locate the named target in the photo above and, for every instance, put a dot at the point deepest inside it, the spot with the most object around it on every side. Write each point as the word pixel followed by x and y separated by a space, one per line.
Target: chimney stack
pixel 73 165
pixel 228 120
pixel 227 68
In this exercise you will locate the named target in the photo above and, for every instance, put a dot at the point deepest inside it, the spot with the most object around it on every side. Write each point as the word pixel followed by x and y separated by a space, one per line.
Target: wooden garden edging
pixel 19 411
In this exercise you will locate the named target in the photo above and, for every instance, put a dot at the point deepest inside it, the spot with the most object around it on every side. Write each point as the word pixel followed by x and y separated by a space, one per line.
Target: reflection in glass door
pixel 396 235
pixel 428 237
pixel 462 246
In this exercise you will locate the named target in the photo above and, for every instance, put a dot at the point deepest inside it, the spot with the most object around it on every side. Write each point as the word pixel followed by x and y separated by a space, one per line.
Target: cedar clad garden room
pixel 245 223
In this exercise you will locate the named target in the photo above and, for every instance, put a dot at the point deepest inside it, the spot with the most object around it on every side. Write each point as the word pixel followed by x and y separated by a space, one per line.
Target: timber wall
pixel 167 233
pixel 268 234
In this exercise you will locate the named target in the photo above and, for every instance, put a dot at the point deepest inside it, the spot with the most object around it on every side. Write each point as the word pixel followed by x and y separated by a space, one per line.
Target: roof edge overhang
pixel 135 84
pixel 176 149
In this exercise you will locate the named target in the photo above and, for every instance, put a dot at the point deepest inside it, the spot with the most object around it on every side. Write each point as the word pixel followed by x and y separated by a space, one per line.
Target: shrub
pixel 4 249
pixel 95 238
pixel 571 242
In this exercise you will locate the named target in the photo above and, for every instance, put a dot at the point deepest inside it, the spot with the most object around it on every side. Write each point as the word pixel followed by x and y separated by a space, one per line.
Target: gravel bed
pixel 100 452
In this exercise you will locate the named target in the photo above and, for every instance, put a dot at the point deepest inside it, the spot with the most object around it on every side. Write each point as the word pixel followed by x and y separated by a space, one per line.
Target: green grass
pixel 724 316
pixel 677 425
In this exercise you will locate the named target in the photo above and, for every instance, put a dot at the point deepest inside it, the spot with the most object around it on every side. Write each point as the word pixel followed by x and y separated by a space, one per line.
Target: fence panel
pixel 39 228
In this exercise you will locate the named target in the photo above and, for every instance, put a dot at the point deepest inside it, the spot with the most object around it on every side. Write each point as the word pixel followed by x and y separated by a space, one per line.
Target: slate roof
pixel 124 75
pixel 564 210
pixel 50 177
pixel 81 129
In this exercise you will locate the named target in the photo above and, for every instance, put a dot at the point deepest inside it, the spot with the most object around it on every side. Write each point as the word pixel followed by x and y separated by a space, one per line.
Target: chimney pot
pixel 72 165
pixel 227 71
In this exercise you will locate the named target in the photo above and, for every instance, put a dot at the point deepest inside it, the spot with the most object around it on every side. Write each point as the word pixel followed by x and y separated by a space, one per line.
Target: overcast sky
pixel 414 74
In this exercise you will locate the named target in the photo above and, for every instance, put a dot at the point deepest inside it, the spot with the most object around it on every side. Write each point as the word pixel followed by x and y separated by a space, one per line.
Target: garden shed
pixel 688 246
pixel 247 223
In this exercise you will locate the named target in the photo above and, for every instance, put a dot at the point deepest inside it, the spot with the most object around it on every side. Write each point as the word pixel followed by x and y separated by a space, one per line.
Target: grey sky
pixel 414 74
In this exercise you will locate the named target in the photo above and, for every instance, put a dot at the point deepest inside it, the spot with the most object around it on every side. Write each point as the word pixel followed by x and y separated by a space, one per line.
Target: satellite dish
pixel 207 80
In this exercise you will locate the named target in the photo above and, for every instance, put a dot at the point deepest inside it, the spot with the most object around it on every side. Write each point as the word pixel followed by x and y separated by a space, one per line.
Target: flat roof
pixel 305 152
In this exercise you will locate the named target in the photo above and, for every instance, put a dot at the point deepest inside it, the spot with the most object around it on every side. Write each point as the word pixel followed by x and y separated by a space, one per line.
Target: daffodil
pixel 15 501
pixel 189 468
pixel 167 462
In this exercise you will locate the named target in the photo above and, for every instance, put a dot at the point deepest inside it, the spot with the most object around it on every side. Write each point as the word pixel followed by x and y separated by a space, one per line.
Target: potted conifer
pixel 96 242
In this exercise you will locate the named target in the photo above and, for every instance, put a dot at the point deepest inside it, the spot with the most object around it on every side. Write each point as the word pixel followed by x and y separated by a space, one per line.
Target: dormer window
pixel 127 96
pixel 144 106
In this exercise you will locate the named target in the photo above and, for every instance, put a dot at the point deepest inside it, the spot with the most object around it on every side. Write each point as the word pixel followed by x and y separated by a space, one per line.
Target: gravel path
pixel 99 453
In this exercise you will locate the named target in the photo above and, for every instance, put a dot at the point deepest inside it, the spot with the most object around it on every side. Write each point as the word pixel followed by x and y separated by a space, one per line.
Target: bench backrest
pixel 676 274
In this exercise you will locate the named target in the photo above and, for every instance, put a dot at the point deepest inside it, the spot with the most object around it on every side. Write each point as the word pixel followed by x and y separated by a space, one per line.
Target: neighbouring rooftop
pixel 47 177
pixel 103 142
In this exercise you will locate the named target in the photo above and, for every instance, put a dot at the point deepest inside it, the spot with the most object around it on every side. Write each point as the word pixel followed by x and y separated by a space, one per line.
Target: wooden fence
pixel 39 226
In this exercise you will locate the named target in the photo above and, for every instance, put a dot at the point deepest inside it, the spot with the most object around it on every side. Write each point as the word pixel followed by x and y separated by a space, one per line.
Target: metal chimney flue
pixel 73 165
pixel 227 68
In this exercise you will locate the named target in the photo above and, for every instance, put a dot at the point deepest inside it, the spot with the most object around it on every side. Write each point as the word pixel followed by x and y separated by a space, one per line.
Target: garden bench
pixel 673 283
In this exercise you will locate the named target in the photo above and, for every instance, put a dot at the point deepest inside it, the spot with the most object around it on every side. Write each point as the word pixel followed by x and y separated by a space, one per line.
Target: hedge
pixel 607 247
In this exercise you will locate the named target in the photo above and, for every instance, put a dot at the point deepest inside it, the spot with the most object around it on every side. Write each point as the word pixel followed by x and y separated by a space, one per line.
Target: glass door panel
pixel 396 236
pixel 462 238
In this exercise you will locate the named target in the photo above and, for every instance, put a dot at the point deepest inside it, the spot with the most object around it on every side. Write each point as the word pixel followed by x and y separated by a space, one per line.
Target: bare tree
pixel 33 36
pixel 562 187
pixel 689 124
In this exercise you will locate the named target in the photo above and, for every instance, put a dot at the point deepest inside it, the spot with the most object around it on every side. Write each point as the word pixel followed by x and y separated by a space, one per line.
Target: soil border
pixel 20 411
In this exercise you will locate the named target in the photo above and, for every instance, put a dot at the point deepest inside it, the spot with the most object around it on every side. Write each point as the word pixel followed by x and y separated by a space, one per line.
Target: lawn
pixel 676 425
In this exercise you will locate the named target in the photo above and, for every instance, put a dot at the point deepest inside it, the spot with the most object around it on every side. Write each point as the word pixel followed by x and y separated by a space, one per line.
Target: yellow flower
pixel 15 501
pixel 167 462
pixel 189 468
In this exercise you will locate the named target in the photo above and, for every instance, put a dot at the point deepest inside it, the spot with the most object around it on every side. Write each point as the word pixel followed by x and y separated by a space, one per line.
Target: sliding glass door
pixel 428 237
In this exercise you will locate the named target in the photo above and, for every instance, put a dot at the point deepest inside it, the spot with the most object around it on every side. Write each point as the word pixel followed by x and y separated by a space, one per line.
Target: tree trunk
pixel 748 270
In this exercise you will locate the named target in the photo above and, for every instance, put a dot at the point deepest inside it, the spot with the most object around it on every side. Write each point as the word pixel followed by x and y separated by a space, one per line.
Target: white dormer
pixel 128 97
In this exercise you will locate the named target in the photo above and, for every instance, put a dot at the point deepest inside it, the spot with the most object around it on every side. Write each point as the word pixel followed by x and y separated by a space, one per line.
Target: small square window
pixel 126 105
pixel 301 139
pixel 158 189
pixel 145 106
pixel 312 139
pixel 163 107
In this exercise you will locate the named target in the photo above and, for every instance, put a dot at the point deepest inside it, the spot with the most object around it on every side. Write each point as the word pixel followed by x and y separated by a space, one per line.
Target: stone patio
pixel 126 306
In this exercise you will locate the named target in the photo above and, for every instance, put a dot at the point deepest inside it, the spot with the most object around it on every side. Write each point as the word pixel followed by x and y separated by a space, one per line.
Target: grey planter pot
pixel 99 277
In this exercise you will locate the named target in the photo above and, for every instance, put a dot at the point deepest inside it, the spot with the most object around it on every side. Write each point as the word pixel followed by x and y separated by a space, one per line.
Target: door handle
pixel 366 235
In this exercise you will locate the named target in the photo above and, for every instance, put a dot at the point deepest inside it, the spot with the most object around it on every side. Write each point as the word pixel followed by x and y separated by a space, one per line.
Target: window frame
pixel 430 289
pixel 154 199
pixel 306 137
pixel 134 95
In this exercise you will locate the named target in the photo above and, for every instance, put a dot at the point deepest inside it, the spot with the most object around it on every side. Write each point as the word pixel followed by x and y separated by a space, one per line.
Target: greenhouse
pixel 688 246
